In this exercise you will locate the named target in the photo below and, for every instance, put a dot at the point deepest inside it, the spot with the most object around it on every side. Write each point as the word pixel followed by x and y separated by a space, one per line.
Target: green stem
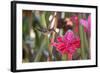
pixel 43 20
pixel 64 56
pixel 82 42
pixel 86 44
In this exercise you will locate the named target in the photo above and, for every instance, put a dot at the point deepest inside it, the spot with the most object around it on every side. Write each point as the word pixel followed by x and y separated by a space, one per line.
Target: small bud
pixel 50 17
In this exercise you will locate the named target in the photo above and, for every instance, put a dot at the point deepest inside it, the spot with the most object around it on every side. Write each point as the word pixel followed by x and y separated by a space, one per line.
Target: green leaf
pixel 41 48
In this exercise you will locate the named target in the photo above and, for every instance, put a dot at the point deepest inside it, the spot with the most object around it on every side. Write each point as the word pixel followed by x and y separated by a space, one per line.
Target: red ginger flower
pixel 67 44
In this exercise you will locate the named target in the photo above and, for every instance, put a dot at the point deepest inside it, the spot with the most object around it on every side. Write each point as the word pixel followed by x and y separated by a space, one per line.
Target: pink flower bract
pixel 86 23
pixel 68 44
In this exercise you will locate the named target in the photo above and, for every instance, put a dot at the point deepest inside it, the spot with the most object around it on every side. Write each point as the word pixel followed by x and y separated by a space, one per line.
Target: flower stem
pixel 82 43
pixel 81 32
pixel 64 56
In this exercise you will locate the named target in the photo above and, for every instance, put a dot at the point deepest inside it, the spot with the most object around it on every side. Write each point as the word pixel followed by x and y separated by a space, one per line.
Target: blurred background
pixel 39 27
